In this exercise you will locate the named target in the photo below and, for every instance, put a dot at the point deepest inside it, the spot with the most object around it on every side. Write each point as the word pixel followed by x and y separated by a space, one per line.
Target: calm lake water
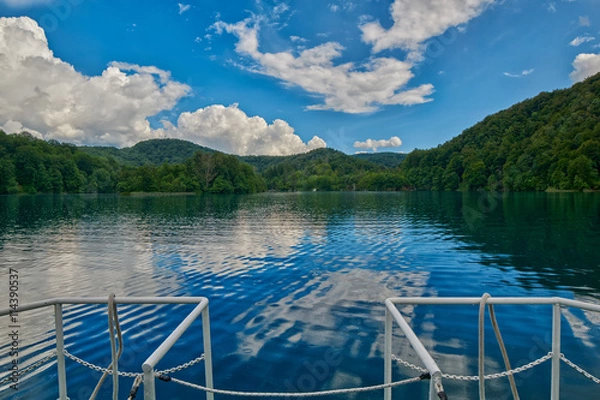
pixel 297 281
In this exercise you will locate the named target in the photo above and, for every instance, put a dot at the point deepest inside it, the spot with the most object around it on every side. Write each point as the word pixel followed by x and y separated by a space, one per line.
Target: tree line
pixel 549 142
pixel 30 165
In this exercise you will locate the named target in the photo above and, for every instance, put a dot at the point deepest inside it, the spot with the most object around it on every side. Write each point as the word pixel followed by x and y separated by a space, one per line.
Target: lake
pixel 295 279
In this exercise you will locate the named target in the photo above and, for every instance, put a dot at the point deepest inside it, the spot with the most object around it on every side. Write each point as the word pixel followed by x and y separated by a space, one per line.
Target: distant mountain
pixel 299 161
pixel 386 159
pixel 153 152
pixel 551 141
pixel 320 169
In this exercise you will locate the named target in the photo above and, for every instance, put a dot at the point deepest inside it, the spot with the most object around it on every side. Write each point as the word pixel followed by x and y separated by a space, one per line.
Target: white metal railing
pixel 393 314
pixel 150 363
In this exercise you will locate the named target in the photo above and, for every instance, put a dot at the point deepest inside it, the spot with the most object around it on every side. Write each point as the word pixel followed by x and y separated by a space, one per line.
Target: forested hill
pixel 153 151
pixel 322 169
pixel 551 141
pixel 385 158
pixel 32 165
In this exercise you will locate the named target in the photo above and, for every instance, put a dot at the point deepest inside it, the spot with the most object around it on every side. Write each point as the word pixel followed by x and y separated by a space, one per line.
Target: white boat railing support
pixel 436 374
pixel 555 382
pixel 157 355
pixel 150 363
pixel 60 352
pixel 393 314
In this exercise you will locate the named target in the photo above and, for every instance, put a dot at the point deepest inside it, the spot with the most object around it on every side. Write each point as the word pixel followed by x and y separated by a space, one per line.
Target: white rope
pixel 511 379
pixel 113 323
pixel 297 394
pixel 136 385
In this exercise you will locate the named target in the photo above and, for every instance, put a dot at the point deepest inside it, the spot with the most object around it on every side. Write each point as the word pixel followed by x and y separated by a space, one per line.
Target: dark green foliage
pixel 153 151
pixel 321 169
pixel 222 173
pixel 30 165
pixel 386 159
pixel 549 142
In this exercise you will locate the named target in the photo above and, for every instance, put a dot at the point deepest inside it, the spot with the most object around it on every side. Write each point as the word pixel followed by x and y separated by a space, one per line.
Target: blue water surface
pixel 296 284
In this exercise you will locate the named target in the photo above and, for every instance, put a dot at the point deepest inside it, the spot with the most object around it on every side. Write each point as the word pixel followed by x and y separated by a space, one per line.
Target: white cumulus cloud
pixel 47 97
pixel 579 40
pixel 585 66
pixel 45 94
pixel 345 87
pixel 230 130
pixel 519 75
pixel 394 141
pixel 417 21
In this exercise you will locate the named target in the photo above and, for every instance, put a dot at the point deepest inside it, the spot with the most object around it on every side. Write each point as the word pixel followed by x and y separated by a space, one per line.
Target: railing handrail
pixel 496 300
pixel 166 345
pixel 155 357
pixel 392 313
pixel 104 300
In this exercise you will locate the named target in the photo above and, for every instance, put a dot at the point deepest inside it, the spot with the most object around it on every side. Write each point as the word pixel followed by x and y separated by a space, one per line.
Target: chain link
pixel 98 368
pixel 579 369
pixel 133 374
pixel 181 367
pixel 29 368
pixel 487 377
pixel 407 364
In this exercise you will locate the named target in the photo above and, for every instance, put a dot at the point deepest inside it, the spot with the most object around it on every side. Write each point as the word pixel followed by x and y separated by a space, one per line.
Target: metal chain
pixel 133 374
pixel 98 368
pixel 31 367
pixel 407 364
pixel 181 367
pixel 579 369
pixel 487 377
pixel 298 394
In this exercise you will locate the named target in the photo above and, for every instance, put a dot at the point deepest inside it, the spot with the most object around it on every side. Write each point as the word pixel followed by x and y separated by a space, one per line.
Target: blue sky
pixel 281 77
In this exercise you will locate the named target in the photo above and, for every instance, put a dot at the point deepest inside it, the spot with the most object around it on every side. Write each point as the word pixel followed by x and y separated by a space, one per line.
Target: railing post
pixel 60 352
pixel 149 389
pixel 208 372
pixel 556 316
pixel 387 356
pixel 434 382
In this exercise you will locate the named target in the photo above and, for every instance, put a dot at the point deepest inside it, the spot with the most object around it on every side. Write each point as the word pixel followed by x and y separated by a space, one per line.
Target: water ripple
pixel 296 283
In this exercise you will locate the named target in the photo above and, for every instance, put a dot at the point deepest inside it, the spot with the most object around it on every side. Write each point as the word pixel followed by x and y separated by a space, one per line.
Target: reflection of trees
pixel 555 235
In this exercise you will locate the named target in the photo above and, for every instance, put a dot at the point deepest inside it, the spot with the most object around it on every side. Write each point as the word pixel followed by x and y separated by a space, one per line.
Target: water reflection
pixel 297 281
